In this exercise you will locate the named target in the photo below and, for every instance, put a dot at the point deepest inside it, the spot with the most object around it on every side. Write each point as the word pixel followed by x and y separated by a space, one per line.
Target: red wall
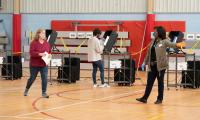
pixel 16 33
pixel 135 29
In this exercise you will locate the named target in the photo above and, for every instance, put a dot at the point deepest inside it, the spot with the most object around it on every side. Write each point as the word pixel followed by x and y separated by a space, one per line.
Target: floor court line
pixel 3 90
pixel 46 114
pixel 16 88
pixel 159 115
pixel 79 103
pixel 26 118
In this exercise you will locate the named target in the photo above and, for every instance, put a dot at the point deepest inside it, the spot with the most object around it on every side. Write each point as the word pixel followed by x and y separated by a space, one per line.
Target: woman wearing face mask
pixel 38 48
pixel 156 59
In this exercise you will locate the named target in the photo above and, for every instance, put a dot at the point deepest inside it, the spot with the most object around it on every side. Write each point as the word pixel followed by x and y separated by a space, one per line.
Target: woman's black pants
pixel 152 75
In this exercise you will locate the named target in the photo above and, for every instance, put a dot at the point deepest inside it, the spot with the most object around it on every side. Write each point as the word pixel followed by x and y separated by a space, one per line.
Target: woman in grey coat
pixel 157 61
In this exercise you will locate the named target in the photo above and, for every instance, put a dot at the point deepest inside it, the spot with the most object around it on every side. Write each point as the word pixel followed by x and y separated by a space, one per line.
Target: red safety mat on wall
pixel 135 29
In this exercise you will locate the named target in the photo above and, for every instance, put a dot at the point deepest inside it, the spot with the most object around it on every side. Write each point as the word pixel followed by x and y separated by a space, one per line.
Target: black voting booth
pixel 12 68
pixel 191 76
pixel 111 41
pixel 175 37
pixel 70 71
pixel 178 35
pixel 126 74
pixel 51 36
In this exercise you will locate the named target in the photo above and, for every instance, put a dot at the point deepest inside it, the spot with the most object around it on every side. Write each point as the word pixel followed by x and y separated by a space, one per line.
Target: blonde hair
pixel 37 33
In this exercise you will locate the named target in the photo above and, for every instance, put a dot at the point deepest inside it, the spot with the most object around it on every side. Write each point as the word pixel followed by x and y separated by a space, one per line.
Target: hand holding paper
pixel 47 58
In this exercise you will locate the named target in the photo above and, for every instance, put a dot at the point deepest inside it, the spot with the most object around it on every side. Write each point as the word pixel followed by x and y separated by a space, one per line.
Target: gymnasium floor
pixel 80 101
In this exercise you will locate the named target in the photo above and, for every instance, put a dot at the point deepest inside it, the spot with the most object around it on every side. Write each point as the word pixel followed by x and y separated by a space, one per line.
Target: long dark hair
pixel 161 32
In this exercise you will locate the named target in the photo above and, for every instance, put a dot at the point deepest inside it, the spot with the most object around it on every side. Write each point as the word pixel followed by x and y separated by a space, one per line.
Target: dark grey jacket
pixel 161 55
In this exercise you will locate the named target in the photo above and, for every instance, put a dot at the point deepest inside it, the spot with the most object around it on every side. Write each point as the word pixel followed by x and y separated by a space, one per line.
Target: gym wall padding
pixel 135 29
pixel 16 33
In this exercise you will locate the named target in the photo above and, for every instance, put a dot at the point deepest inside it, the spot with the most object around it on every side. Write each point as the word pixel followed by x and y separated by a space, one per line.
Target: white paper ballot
pixel 175 39
pixel 47 58
pixel 1 60
pixel 106 40
pixel 48 38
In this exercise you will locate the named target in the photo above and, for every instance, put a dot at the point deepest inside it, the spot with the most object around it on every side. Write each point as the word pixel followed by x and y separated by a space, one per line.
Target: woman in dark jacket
pixel 156 59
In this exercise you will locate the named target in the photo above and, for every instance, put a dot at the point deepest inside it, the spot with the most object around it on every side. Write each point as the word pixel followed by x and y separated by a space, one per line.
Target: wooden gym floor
pixel 80 101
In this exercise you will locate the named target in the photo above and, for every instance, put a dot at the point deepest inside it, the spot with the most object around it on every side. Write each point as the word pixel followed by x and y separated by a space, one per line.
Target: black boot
pixel 158 102
pixel 141 100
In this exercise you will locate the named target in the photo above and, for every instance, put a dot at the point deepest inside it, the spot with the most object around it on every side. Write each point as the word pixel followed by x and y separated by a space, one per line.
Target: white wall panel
pixel 7 6
pixel 83 6
pixel 102 6
pixel 177 6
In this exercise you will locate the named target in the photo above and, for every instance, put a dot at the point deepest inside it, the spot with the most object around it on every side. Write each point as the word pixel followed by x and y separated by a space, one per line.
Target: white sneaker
pixel 95 85
pixel 104 85
pixel 108 85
